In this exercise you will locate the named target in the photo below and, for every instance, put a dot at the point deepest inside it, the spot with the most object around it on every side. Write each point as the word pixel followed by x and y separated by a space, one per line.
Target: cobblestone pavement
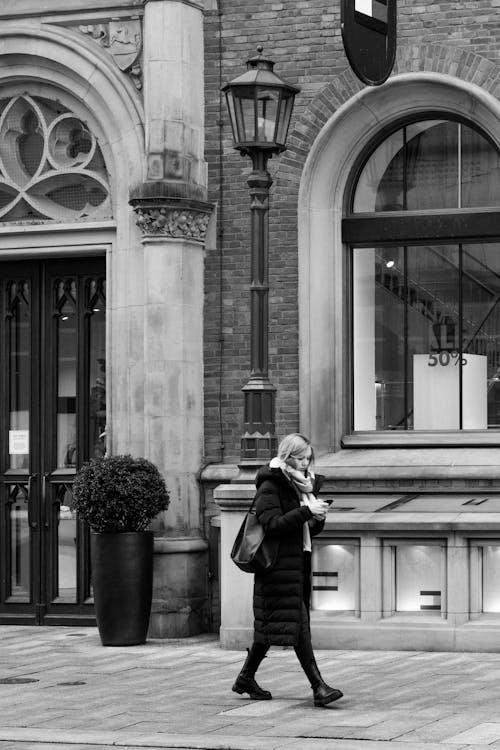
pixel 60 688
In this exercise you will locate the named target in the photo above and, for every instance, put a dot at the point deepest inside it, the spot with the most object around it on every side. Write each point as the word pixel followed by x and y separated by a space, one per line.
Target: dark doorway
pixel 52 418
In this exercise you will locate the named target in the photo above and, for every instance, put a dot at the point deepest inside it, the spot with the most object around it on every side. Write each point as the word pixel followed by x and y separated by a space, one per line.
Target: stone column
pixel 236 587
pixel 174 95
pixel 173 215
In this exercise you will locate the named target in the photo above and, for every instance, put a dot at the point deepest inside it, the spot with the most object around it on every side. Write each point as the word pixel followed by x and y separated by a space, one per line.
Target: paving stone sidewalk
pixel 59 688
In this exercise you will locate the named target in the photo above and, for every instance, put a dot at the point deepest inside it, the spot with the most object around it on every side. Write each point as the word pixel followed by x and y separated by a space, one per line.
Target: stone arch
pixel 338 125
pixel 59 63
pixel 425 58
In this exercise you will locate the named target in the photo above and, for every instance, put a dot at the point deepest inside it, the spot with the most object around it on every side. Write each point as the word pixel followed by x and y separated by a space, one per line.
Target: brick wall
pixel 303 38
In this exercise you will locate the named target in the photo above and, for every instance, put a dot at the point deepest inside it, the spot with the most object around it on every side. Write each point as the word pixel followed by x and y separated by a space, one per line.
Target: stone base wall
pixel 180 588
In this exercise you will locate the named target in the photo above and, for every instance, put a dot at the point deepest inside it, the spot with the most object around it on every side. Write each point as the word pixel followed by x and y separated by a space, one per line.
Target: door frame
pixel 48 246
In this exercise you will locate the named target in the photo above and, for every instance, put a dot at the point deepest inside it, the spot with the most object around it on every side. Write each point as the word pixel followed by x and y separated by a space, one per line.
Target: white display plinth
pixel 436 393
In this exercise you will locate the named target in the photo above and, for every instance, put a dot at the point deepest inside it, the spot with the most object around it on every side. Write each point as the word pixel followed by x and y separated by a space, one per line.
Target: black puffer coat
pixel 278 595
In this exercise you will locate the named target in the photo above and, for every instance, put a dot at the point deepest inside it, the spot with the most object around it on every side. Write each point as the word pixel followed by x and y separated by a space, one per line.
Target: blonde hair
pixel 293 444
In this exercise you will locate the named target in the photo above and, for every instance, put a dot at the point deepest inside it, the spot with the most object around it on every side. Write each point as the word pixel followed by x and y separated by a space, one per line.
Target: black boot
pixel 245 682
pixel 322 693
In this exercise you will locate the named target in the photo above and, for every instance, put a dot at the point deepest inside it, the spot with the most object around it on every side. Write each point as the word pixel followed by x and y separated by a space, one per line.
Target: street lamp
pixel 260 106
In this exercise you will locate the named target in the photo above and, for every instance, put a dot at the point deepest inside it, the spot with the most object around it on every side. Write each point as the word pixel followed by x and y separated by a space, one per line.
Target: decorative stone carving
pixel 123 39
pixel 165 218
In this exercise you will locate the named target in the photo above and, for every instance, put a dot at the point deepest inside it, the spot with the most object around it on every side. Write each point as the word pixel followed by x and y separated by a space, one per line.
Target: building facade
pixel 382 318
pixel 104 215
pixel 126 322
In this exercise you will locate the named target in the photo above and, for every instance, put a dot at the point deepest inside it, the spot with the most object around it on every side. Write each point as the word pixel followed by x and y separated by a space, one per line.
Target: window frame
pixel 398 228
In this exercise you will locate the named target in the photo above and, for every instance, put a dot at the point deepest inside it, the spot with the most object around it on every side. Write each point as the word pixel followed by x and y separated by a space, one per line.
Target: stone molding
pixel 178 545
pixel 234 497
pixel 437 486
pixel 198 4
pixel 231 495
pixel 177 218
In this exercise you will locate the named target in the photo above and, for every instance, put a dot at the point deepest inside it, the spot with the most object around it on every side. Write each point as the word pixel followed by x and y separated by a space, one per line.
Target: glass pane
pixel 481 335
pixel 97 369
pixel 334 585
pixel 66 374
pixel 433 343
pixel 491 577
pixel 75 193
pixel 426 330
pixel 480 170
pixel 420 577
pixel 378 338
pixel 19 389
pixel 232 113
pixel 244 109
pixel 20 561
pixel 267 103
pixel 70 142
pixel 30 143
pixel 432 165
pixel 381 184
pixel 284 119
pixel 66 545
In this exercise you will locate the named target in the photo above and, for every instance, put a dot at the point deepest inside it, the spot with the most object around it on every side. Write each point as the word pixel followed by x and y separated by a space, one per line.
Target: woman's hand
pixel 318 508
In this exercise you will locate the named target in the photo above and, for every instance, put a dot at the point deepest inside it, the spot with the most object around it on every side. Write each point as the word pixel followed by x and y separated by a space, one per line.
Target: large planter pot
pixel 122 575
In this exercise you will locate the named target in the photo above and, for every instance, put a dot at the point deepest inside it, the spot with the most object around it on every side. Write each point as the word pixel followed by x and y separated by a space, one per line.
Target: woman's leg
pixel 306 586
pixel 245 682
pixel 322 693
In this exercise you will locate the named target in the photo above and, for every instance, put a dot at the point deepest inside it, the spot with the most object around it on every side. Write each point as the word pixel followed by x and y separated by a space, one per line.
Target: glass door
pixel 52 418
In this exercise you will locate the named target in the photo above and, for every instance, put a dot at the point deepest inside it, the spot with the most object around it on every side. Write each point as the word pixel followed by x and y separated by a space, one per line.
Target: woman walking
pixel 289 510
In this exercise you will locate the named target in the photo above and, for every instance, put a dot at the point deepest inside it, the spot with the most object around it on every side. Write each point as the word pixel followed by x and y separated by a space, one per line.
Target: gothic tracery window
pixel 51 165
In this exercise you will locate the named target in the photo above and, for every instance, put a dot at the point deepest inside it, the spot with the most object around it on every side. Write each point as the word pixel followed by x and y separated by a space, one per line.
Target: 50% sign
pixel 445 358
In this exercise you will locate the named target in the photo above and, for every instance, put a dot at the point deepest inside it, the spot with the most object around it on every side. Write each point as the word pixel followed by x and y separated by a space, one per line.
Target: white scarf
pixel 305 487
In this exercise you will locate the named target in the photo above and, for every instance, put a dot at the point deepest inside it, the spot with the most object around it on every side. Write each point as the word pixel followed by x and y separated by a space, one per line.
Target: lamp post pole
pixel 260 107
pixel 259 440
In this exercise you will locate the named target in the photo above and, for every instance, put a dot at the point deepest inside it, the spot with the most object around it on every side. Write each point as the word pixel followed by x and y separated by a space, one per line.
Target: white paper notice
pixel 19 442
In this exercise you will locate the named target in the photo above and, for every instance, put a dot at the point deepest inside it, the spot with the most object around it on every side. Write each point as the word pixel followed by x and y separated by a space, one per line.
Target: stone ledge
pixel 166 546
pixel 386 635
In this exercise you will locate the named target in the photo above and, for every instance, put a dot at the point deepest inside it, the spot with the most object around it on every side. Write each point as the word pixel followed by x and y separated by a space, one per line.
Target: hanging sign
pixel 369 37
pixel 19 442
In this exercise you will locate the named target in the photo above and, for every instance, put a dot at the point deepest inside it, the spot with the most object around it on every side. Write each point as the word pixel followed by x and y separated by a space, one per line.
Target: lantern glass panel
pixel 232 114
pixel 284 119
pixel 267 114
pixel 242 112
pixel 247 132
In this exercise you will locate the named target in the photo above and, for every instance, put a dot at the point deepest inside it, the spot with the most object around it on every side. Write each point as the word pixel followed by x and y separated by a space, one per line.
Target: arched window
pixel 423 231
pixel 51 166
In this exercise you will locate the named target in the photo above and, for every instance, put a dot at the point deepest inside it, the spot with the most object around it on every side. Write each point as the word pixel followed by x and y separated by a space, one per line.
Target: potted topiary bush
pixel 119 496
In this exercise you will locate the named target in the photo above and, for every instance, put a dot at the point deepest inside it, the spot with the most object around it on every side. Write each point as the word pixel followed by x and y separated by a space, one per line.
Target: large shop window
pixel 424 237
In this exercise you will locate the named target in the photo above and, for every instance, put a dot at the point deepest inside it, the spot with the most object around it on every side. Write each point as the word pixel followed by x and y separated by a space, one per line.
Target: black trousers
pixel 306 591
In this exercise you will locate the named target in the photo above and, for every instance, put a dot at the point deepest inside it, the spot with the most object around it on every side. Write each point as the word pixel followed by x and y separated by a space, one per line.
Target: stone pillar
pixel 173 215
pixel 236 587
pixel 174 95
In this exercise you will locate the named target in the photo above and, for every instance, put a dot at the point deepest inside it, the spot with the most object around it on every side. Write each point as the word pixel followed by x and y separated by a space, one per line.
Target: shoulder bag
pixel 252 551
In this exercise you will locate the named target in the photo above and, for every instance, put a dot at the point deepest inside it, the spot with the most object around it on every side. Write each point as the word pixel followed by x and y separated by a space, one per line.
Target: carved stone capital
pixel 166 216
